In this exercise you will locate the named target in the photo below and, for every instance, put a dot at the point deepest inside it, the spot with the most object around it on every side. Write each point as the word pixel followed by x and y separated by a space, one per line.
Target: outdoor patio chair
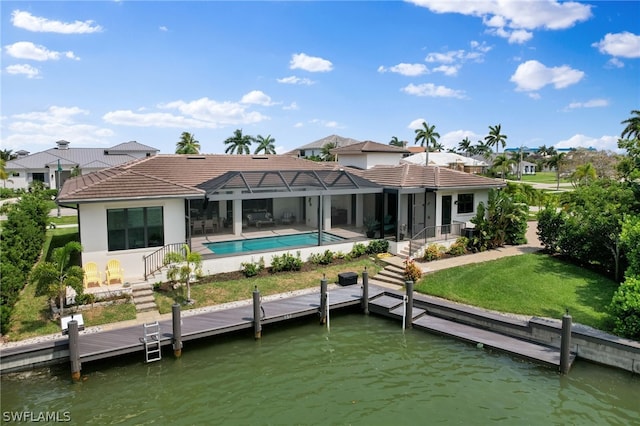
pixel 210 226
pixel 114 272
pixel 91 274
pixel 287 218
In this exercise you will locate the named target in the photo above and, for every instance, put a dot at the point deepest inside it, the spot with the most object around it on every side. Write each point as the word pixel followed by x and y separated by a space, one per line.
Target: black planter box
pixel 348 278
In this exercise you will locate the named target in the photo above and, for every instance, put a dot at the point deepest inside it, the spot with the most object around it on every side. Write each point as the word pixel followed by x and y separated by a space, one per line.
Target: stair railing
pixel 155 261
pixel 435 233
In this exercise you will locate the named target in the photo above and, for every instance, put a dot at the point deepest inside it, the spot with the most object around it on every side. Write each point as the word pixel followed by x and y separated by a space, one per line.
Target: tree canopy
pixel 427 136
pixel 187 144
pixel 239 143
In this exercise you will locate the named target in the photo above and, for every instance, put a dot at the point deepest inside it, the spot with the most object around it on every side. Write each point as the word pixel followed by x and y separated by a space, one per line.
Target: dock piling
pixel 257 321
pixel 177 330
pixel 323 300
pixel 565 343
pixel 365 291
pixel 74 350
pixel 409 288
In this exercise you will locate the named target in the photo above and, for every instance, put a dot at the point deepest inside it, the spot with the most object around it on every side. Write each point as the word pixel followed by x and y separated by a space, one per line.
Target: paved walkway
pixel 533 245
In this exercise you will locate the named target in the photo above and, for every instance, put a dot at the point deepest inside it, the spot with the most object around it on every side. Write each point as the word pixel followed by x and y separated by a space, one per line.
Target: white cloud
pixel 163 28
pixel 416 124
pixel 447 69
pixel 55 123
pixel 298 125
pixel 451 61
pixel 28 50
pixel 309 63
pixel 28 22
pixel 291 107
pixel 593 103
pixel 607 143
pixel 200 113
pixel 431 90
pixel 452 139
pixel 532 75
pixel 410 70
pixel 325 123
pixel 296 80
pixel 515 20
pixel 625 44
pixel 615 63
pixel 24 69
pixel 257 97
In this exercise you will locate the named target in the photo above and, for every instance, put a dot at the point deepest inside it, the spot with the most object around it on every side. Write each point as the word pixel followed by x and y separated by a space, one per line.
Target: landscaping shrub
pixel 412 272
pixel 251 269
pixel 286 262
pixel 378 246
pixel 459 247
pixel 358 250
pixel 625 309
pixel 325 258
pixel 433 252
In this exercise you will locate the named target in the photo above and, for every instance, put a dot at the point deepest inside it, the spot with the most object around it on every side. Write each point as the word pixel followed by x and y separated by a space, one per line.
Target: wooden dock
pixel 382 301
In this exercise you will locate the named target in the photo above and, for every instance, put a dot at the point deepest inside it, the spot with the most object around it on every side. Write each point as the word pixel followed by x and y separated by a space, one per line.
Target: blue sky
pixel 95 73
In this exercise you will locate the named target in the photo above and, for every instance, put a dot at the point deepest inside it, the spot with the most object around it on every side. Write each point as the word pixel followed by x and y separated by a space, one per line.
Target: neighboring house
pixel 526 167
pixel 314 149
pixel 450 160
pixel 135 209
pixel 55 165
pixel 364 155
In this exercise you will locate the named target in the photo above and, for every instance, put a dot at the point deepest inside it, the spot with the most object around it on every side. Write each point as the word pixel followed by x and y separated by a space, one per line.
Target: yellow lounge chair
pixel 114 272
pixel 91 274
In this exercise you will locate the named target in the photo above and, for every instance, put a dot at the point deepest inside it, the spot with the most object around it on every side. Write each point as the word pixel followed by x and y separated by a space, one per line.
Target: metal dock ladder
pixel 151 342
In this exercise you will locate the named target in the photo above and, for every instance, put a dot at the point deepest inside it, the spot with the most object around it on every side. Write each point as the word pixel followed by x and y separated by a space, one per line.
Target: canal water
pixel 364 371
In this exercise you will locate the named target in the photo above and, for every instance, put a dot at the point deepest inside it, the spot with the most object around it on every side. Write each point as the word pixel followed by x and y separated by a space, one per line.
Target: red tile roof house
pixel 131 211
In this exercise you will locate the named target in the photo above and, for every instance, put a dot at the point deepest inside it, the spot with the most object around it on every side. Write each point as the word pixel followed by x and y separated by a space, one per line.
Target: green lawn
pixel 530 284
pixel 543 177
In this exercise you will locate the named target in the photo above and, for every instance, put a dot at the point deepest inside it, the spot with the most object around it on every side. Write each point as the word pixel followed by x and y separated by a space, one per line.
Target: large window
pixel 465 203
pixel 135 228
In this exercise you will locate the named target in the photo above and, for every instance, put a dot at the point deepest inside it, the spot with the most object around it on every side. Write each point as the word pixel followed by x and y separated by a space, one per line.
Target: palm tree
pixel 494 138
pixel 427 135
pixel 265 144
pixel 503 162
pixel 464 146
pixel 482 148
pixel 583 174
pixel 632 131
pixel 4 176
pixel 516 157
pixel 396 142
pixel 438 147
pixel 183 266
pixel 556 161
pixel 326 154
pixel 7 155
pixel 53 278
pixel 238 143
pixel 187 144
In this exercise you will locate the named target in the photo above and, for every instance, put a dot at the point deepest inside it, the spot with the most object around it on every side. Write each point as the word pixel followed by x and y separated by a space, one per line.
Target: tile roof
pixel 413 175
pixel 443 159
pixel 190 175
pixel 368 146
pixel 338 140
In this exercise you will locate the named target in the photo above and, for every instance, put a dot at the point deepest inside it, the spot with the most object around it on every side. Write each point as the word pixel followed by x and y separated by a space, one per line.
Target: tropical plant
pixel 187 144
pixel 396 142
pixel 426 135
pixel 265 145
pixel 326 154
pixel 625 309
pixel 4 176
pixel 632 130
pixel 502 221
pixel 183 266
pixel 502 162
pixel 464 146
pixel 555 162
pixel 495 138
pixel 7 155
pixel 583 175
pixel 238 143
pixel 52 278
pixel 412 272
pixel 481 148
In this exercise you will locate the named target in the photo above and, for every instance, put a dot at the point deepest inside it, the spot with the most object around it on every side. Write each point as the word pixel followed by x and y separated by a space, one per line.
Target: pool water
pixel 271 243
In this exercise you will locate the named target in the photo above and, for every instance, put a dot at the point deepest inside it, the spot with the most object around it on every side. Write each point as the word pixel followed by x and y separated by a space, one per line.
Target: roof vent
pixel 62 144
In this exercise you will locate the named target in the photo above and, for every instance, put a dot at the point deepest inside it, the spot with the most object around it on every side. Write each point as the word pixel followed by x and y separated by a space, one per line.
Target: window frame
pixel 152 233
pixel 465 206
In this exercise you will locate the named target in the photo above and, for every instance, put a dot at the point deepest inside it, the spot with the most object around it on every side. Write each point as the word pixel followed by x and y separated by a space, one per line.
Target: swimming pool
pixel 271 243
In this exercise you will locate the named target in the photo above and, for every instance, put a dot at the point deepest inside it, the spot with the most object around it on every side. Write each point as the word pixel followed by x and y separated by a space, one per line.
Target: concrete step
pixel 144 299
pixel 373 281
pixel 388 279
pixel 146 307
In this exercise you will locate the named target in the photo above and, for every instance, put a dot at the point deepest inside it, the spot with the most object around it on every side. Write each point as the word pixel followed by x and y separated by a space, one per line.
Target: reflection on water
pixel 365 371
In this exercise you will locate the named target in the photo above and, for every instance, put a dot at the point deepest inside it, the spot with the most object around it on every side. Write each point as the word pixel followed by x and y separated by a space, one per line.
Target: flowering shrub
pixel 459 247
pixel 412 272
pixel 433 252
